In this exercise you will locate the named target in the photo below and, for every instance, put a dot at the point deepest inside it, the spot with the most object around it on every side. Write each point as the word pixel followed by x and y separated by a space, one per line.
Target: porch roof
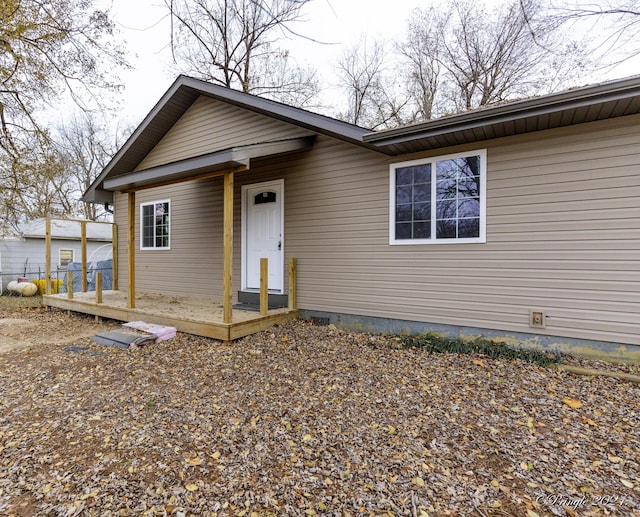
pixel 206 165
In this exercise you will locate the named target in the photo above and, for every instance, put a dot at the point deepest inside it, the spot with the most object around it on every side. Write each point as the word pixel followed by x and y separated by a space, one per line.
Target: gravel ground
pixel 305 420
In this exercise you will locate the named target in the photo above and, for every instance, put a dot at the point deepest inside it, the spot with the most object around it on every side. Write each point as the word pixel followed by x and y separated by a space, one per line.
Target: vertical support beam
pixel 227 269
pixel 70 285
pixel 83 229
pixel 114 257
pixel 47 269
pixel 293 302
pixel 131 248
pixel 264 286
pixel 99 287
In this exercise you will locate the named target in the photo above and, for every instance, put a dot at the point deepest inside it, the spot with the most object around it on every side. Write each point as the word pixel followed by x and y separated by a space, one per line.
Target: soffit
pixel 579 106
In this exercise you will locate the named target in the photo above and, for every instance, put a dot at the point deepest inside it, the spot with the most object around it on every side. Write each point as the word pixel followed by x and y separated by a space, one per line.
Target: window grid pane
pixel 458 198
pixel 155 225
pixel 413 202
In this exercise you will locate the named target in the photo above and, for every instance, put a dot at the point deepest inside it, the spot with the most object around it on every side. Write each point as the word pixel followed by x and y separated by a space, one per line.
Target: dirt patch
pixel 25 327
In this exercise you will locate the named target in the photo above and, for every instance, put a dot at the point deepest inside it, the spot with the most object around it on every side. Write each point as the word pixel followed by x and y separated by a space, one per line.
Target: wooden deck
pixel 190 315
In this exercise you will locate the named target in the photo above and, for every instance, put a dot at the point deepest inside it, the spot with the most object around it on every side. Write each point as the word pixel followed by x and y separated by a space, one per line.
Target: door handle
pixel 279 245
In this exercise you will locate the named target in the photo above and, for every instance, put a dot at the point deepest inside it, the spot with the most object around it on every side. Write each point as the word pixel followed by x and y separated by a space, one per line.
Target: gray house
pixel 518 221
pixel 23 254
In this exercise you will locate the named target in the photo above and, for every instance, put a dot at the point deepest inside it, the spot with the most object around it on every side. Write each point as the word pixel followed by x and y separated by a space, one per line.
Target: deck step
pixel 248 299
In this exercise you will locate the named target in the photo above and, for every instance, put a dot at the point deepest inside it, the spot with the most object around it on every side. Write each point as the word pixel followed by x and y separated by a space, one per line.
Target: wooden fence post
pixel 47 267
pixel 83 238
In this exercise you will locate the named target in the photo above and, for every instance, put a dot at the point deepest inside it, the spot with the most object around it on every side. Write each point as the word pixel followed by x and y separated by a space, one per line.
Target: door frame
pixel 279 185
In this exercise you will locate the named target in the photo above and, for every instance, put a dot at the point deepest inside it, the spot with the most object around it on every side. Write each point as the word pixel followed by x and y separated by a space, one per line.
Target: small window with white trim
pixel 65 255
pixel 155 225
pixel 439 200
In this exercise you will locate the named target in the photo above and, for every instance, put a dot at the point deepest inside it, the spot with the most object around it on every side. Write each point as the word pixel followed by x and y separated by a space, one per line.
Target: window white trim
pixel 482 154
pixel 73 256
pixel 154 247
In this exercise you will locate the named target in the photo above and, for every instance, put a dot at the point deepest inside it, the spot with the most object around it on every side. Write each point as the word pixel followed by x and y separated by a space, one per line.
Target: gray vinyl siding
pixel 563 236
pixel 20 256
pixel 210 125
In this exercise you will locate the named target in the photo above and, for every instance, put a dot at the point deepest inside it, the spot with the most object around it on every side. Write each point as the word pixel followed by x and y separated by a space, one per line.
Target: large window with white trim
pixel 155 225
pixel 439 200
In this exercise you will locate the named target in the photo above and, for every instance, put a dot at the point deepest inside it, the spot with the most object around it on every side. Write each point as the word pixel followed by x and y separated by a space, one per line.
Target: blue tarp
pixel 104 266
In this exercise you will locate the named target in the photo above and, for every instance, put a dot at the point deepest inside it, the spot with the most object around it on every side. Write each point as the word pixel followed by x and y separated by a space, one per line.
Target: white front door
pixel 263 233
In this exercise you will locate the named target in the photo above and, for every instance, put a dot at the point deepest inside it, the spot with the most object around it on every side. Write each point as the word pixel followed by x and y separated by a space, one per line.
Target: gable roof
pixel 597 102
pixel 66 230
pixel 179 97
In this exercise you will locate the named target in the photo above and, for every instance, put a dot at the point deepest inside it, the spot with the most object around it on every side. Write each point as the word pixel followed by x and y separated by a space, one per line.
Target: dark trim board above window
pixel 155 225
pixel 439 200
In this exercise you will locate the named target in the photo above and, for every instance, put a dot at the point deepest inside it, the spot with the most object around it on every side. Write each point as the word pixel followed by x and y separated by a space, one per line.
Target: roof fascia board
pixel 538 106
pixel 90 194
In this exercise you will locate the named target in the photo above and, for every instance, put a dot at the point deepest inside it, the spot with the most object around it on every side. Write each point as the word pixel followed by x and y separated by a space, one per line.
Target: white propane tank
pixel 28 288
pixel 12 287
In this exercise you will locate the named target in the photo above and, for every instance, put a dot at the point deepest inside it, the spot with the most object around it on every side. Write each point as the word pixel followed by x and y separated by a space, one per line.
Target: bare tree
pixel 421 54
pixel 234 43
pixel 30 185
pixel 615 22
pixel 363 75
pixel 463 56
pixel 50 53
pixel 52 174
pixel 49 48
pixel 83 148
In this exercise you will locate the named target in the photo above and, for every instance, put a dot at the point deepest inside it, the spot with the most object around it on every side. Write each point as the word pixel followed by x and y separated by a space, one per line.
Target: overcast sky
pixel 145 26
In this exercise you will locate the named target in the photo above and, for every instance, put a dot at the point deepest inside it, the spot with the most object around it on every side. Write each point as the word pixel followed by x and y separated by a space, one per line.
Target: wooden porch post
pixel 83 240
pixel 293 290
pixel 47 267
pixel 99 287
pixel 228 249
pixel 131 248
pixel 264 286
pixel 114 257
pixel 70 285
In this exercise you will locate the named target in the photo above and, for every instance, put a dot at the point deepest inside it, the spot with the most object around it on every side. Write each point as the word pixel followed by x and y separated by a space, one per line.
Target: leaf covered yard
pixel 307 420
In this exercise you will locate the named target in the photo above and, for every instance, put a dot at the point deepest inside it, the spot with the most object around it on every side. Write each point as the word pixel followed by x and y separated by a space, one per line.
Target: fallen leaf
pixel 572 403
pixel 191 487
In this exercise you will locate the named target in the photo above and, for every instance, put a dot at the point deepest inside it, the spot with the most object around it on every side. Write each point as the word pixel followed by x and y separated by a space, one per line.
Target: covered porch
pixel 205 317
